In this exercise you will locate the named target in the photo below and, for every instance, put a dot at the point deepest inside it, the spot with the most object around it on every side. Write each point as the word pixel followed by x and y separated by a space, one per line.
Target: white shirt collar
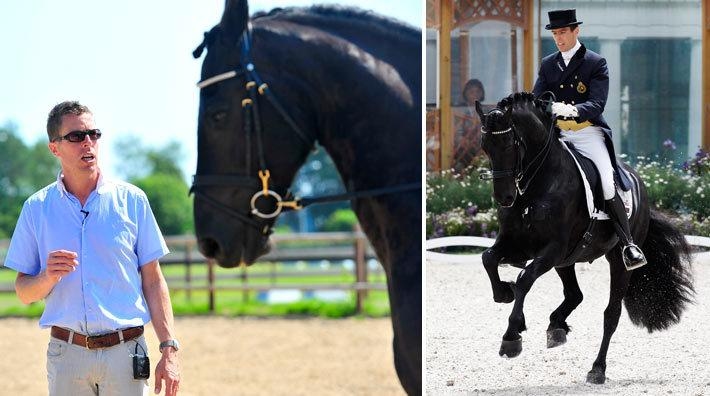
pixel 101 185
pixel 567 55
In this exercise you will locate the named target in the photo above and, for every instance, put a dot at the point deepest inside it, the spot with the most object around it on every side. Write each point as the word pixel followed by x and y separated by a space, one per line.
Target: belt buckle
pixel 86 341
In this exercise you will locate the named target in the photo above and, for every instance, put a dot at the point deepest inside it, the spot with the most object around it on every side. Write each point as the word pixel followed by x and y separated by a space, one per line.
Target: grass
pixel 240 303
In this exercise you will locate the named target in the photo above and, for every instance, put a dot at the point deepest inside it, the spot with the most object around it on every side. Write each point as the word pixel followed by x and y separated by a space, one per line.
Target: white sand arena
pixel 221 356
pixel 464 329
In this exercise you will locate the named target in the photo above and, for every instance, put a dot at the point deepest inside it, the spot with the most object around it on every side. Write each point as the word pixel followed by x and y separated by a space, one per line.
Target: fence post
pixel 210 284
pixel 245 292
pixel 188 268
pixel 360 268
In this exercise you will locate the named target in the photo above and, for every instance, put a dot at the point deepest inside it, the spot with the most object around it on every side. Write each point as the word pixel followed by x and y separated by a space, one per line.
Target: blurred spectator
pixel 467 139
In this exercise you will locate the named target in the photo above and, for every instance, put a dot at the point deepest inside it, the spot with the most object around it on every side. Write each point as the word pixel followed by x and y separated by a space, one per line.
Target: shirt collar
pixel 102 185
pixel 567 55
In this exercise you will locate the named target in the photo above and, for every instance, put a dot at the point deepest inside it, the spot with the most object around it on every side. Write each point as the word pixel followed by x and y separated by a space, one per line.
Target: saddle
pixel 593 187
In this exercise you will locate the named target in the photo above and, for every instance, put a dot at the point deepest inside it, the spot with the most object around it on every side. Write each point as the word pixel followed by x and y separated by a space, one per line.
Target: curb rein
pixel 518 171
pixel 252 123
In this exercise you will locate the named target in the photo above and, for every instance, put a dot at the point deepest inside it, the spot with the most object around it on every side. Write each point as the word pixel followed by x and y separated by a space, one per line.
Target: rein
pixel 523 176
pixel 252 126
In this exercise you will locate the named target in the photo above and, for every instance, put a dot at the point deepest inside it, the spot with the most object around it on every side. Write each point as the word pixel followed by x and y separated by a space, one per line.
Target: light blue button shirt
pixel 117 236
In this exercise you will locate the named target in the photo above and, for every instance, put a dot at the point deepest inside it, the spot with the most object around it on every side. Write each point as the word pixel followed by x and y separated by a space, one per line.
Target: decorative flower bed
pixel 462 204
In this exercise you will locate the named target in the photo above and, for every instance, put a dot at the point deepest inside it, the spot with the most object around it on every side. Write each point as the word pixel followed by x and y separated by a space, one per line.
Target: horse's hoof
pixel 511 349
pixel 504 294
pixel 556 337
pixel 596 377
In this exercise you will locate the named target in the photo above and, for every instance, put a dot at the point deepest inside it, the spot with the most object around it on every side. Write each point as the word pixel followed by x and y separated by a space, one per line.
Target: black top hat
pixel 562 18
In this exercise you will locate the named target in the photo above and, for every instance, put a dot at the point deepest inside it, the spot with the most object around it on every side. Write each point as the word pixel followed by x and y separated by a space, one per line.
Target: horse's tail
pixel 660 290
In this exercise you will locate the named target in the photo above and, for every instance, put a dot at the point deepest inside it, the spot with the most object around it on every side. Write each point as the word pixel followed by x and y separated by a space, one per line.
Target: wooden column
pixel 447 136
pixel 515 81
pixel 528 36
pixel 464 64
pixel 705 139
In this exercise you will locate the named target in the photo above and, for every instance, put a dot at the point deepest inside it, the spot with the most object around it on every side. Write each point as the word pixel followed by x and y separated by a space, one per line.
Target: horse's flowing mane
pixel 323 16
pixel 524 106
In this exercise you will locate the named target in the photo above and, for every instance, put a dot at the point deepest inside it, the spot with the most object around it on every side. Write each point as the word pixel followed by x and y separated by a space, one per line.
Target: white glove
pixel 564 110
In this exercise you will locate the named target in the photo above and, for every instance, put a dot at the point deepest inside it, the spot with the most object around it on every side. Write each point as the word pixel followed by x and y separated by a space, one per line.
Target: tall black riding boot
pixel 633 257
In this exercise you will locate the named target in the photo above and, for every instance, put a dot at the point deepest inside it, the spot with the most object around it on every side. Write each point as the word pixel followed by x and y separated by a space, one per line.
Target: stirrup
pixel 632 266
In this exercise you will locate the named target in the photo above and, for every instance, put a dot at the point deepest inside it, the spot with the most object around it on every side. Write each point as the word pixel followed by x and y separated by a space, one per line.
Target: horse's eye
pixel 219 116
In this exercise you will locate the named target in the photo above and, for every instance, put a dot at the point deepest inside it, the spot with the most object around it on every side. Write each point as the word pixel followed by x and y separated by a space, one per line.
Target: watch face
pixel 169 343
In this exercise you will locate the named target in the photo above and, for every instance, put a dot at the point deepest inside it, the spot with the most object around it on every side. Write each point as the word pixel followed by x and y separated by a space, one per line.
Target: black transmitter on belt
pixel 141 363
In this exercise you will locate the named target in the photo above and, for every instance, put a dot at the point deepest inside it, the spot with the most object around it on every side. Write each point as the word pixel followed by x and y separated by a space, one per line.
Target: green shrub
pixel 449 190
pixel 462 204
pixel 340 220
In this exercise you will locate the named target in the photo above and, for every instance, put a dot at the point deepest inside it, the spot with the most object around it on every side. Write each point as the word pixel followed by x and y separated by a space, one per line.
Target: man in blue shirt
pixel 89 247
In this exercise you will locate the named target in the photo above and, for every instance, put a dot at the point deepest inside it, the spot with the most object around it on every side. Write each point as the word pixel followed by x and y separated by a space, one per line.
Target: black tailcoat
pixel 584 83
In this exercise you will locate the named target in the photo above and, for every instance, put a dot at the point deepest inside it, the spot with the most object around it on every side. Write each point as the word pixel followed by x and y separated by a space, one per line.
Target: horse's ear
pixel 479 110
pixel 235 18
pixel 509 113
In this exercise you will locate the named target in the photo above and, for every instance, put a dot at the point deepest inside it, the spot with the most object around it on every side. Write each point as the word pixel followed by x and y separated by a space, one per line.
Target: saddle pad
pixel 594 212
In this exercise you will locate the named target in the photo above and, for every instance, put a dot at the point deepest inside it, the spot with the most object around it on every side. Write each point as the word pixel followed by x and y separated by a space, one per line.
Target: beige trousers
pixel 73 370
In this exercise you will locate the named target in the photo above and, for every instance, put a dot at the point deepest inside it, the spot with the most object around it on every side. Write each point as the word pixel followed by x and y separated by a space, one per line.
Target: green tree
pixel 317 177
pixel 139 161
pixel 340 220
pixel 168 198
pixel 23 170
pixel 157 172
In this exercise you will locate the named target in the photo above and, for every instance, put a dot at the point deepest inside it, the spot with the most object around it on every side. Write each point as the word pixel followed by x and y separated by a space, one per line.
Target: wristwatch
pixel 169 343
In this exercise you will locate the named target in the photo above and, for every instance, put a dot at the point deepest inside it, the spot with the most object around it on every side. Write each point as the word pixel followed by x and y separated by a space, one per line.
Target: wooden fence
pixel 286 248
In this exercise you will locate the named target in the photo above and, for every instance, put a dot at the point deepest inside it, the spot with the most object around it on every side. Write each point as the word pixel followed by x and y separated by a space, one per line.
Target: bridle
pixel 256 87
pixel 523 176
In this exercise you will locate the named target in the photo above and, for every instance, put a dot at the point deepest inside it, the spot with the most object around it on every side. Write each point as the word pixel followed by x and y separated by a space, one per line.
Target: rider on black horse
pixel 579 79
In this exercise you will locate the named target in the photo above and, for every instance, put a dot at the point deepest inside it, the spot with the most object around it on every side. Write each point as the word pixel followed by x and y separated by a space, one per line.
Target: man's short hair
pixel 54 120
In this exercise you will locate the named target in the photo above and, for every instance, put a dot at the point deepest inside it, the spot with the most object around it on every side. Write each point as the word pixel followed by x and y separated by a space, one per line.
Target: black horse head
pixel 501 145
pixel 249 146
pixel 274 84
pixel 518 124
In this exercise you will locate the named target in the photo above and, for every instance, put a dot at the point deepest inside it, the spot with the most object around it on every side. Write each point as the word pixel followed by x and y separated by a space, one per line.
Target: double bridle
pixel 523 175
pixel 252 126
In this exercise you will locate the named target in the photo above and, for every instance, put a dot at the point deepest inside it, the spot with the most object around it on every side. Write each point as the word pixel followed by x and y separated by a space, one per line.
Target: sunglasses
pixel 79 136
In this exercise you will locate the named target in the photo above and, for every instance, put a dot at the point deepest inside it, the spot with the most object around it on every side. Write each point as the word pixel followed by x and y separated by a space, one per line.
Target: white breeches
pixel 589 142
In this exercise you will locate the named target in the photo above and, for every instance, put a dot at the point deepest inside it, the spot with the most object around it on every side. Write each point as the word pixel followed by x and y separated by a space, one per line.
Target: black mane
pixel 524 104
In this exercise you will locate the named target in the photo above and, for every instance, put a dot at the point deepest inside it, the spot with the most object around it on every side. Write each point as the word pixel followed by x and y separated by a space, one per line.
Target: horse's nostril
pixel 209 247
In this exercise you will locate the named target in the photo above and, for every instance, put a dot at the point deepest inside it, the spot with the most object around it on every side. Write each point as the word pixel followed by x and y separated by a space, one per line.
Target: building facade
pixel 659 89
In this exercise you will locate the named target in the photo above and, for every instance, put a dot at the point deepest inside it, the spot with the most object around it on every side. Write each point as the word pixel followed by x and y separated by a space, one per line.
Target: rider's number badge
pixel 581 88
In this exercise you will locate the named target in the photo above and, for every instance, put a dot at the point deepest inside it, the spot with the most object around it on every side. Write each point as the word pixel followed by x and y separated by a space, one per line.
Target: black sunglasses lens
pixel 75 137
pixel 79 136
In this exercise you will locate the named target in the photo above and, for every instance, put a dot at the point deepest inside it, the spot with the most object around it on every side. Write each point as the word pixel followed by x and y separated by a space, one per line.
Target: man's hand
pixel 61 263
pixel 168 370
pixel 564 110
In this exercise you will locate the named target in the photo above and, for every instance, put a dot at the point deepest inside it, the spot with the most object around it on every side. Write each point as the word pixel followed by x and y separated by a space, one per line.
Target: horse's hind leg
pixel 619 283
pixel 558 328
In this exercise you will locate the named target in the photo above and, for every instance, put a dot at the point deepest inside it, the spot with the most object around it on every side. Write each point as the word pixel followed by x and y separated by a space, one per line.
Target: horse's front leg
pixel 492 258
pixel 512 343
pixel 405 296
pixel 558 328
